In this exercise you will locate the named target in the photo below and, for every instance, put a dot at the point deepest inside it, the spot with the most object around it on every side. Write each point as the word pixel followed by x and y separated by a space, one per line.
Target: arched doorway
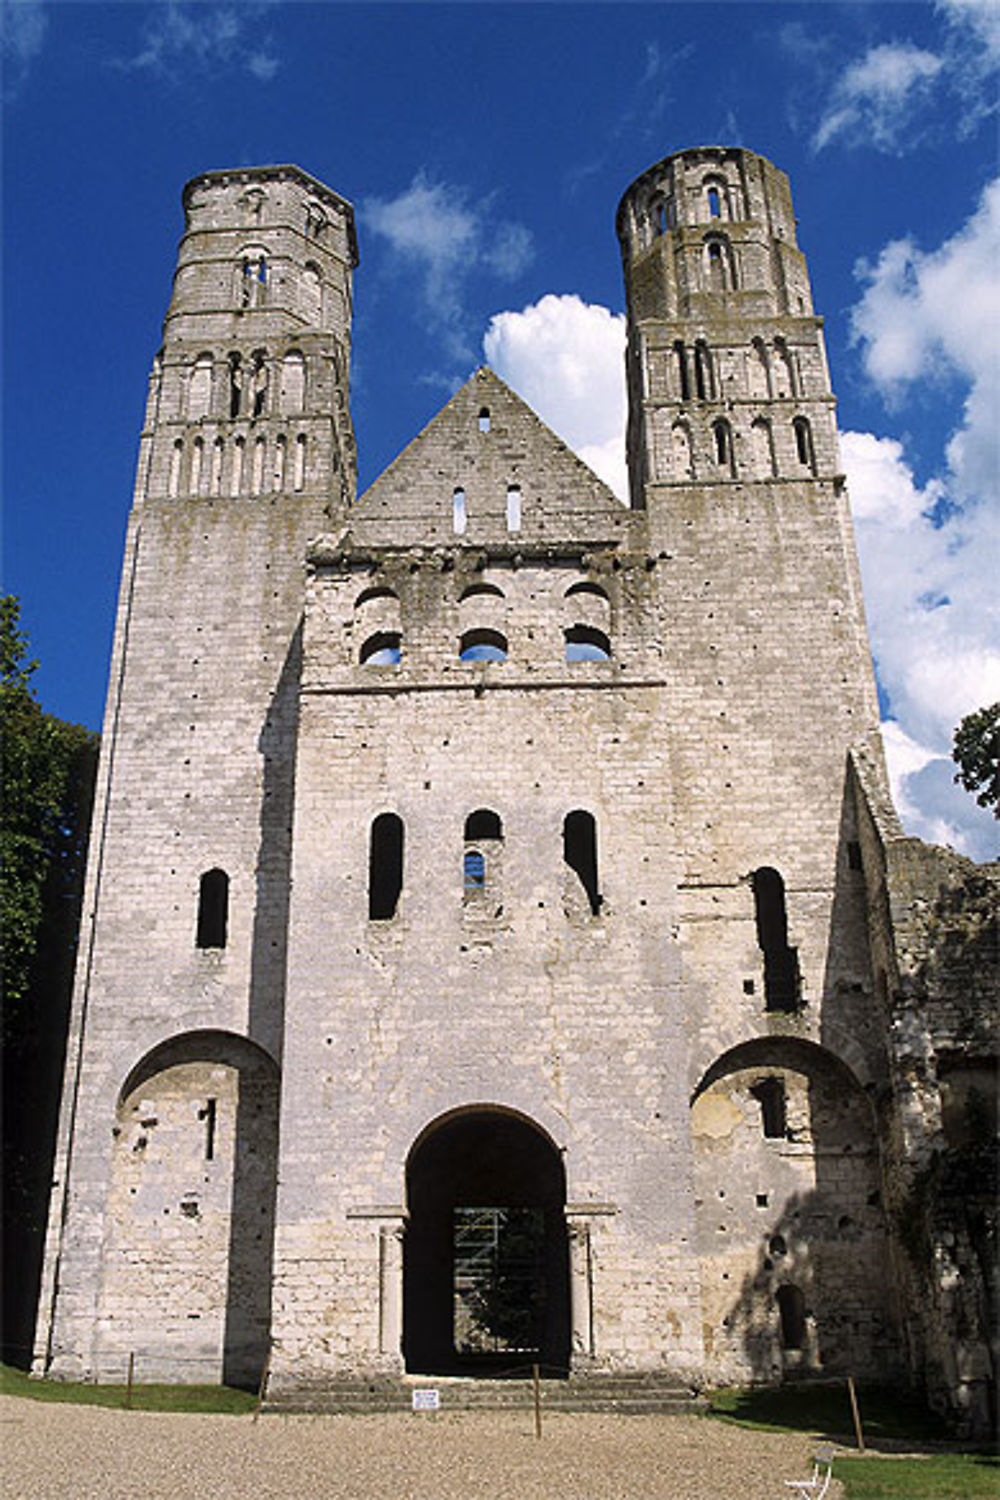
pixel 485 1259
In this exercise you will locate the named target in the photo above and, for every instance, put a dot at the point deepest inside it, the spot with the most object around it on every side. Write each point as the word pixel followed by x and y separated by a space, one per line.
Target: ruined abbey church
pixel 499 946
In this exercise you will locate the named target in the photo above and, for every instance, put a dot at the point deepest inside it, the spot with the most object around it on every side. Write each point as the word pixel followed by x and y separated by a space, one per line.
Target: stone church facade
pixel 499 944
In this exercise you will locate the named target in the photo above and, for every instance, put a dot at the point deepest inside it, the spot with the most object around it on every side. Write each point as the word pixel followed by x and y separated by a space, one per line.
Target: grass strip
pixel 220 1399
pixel 945 1476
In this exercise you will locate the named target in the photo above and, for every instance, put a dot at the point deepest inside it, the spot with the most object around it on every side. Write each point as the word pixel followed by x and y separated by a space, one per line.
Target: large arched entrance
pixel 485 1260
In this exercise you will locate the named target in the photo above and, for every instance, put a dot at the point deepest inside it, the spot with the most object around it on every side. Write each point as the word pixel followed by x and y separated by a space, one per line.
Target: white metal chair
pixel 815 1487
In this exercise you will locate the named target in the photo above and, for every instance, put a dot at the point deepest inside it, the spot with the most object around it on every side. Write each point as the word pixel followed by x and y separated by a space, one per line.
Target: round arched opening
pixel 485 1259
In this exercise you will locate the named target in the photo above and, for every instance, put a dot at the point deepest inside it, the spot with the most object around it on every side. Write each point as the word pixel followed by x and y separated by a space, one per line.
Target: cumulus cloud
pixel 204 36
pixel 443 236
pixel 23 24
pixel 566 357
pixel 931 315
pixel 981 18
pixel 876 97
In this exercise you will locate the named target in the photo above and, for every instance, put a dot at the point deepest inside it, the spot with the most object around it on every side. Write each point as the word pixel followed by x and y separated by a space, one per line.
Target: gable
pixel 485 444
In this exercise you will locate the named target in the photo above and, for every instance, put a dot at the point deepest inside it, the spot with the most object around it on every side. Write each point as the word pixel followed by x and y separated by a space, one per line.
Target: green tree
pixel 48 780
pixel 976 752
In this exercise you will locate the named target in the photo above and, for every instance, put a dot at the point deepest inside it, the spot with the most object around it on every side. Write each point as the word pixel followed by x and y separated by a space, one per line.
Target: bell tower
pixel 246 452
pixel 249 394
pixel 727 373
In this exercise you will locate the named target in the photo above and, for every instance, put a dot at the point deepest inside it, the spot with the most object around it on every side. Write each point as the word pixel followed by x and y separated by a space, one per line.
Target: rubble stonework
pixel 488 874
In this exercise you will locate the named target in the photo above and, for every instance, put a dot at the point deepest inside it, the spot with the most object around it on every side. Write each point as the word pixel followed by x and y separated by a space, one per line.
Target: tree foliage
pixel 976 752
pixel 48 776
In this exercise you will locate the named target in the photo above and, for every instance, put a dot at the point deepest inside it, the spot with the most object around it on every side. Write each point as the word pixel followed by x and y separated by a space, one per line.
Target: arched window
pixel 200 388
pixel 762 440
pixel 481 858
pixel 804 444
pixel 312 294
pixel 293 383
pixel 459 518
pixel 580 854
pixel 722 436
pixel 236 473
pixel 482 645
pixel 682 460
pixel 215 480
pixel 586 643
pixel 253 281
pixel 235 365
pixel 792 1311
pixel 483 824
pixel 383 649
pixel 781 963
pixel 278 472
pixel 257 478
pixel 720 264
pixel 513 507
pixel 257 378
pixel 299 477
pixel 704 375
pixel 174 477
pixel 714 206
pixel 484 419
pixel 758 373
pixel 784 370
pixel 197 459
pixel 213 909
pixel 683 374
pixel 385 867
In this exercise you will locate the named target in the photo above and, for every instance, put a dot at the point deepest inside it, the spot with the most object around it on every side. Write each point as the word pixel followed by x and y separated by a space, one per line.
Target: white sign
pixel 426 1400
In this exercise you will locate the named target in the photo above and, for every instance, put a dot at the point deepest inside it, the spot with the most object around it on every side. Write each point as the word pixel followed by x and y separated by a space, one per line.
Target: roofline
pixel 223 177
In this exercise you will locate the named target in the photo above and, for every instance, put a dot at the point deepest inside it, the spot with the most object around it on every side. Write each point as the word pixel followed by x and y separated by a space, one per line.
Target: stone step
pixel 598 1392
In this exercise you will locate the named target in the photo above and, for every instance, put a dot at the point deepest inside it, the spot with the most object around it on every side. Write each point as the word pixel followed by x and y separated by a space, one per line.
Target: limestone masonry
pixel 499 945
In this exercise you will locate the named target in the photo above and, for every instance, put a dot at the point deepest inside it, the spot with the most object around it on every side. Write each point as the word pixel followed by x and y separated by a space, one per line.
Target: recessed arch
pixel 482 645
pixel 586 586
pixel 377 591
pixel 586 643
pixel 480 590
pixel 485 1258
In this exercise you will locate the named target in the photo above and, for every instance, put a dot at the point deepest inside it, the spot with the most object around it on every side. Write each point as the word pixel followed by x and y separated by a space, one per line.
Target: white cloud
pixel 981 17
pixel 23 24
pixel 438 232
pixel 929 802
pixel 929 591
pixel 204 36
pixel 876 97
pixel 566 357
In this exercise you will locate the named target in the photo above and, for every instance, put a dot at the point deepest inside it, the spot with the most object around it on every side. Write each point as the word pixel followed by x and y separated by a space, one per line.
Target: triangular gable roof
pixel 412 501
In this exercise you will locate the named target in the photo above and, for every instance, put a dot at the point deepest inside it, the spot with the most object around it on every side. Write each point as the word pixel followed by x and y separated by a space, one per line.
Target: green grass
pixel 950 1476
pixel 187 1398
pixel 825 1408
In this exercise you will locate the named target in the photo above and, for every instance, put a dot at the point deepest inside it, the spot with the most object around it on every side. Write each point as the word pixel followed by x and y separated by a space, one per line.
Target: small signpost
pixel 426 1399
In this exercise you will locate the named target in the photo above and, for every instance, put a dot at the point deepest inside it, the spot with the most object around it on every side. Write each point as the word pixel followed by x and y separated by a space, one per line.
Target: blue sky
pixel 485 148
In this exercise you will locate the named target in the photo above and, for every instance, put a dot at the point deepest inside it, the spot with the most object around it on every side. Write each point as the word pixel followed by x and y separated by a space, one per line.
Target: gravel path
pixel 56 1452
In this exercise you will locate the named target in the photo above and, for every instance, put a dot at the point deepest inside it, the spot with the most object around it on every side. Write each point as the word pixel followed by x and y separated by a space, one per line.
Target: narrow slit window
pixel 385 867
pixel 792 1312
pixel 704 376
pixel 459 516
pixel 580 854
pixel 208 1114
pixel 781 963
pixel 770 1095
pixel 300 462
pixel 804 443
pixel 174 480
pixel 683 378
pixel 714 206
pixel 513 507
pixel 473 872
pixel 236 474
pixel 213 909
pixel 197 459
pixel 235 384
pixel 484 419
pixel 723 436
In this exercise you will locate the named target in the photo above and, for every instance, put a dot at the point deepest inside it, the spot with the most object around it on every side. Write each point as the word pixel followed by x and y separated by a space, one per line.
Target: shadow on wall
pixel 791 1227
pixel 192 1210
pixel 268 959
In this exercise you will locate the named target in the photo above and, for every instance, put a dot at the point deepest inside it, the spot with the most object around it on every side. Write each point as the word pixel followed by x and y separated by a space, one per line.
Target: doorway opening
pixel 485 1259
